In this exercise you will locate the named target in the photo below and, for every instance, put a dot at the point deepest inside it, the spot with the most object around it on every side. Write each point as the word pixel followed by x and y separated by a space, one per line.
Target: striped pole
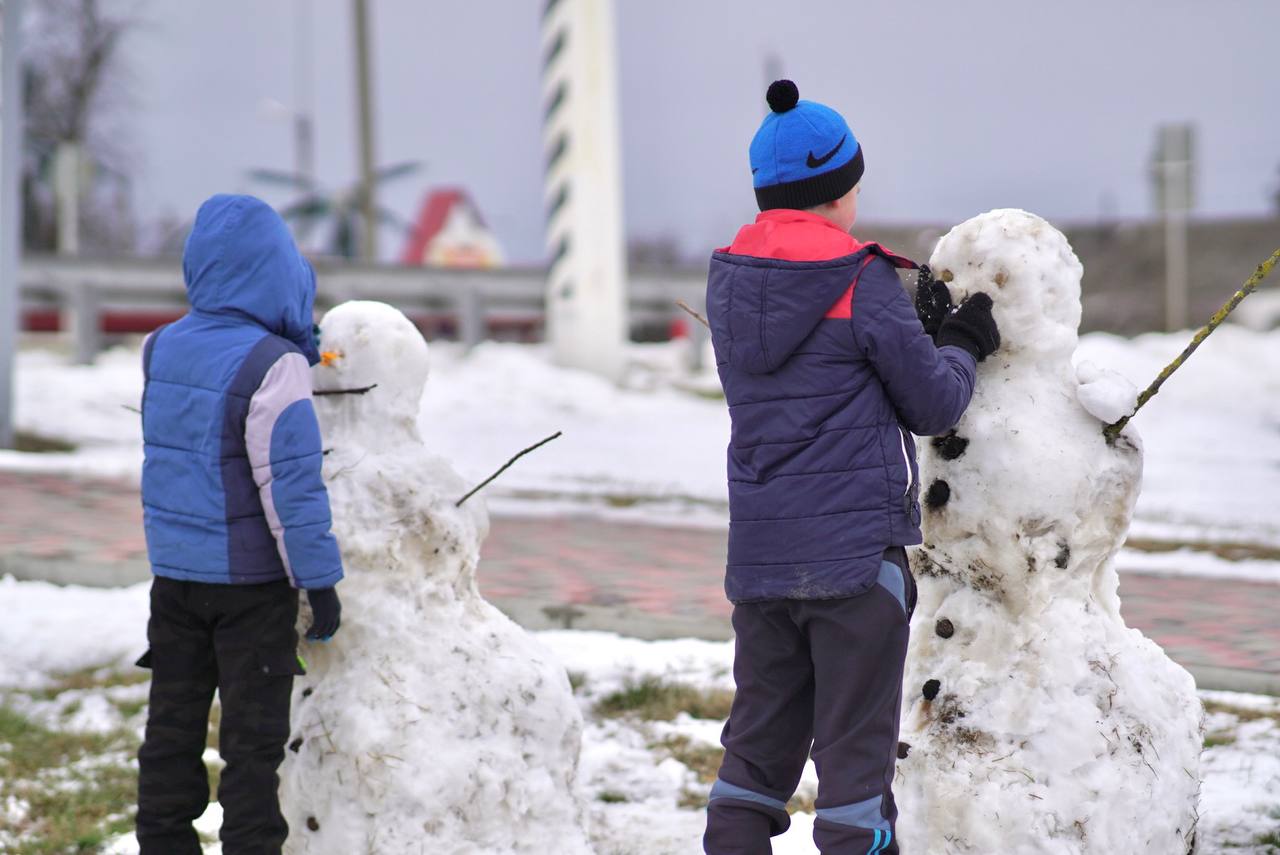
pixel 586 279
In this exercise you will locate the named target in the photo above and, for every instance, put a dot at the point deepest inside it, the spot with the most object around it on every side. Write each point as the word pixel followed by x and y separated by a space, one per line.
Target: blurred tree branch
pixel 73 82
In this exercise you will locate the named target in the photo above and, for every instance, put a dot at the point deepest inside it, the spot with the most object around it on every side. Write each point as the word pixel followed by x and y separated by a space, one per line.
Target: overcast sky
pixel 960 107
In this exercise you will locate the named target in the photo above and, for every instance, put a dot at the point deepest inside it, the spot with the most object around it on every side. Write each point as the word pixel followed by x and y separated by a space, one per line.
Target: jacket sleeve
pixel 282 437
pixel 929 386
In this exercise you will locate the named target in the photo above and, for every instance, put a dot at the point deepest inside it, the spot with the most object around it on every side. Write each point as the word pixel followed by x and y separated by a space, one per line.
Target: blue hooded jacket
pixel 827 372
pixel 231 481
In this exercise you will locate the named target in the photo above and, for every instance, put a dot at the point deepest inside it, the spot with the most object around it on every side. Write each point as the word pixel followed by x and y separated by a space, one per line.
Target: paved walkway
pixel 641 580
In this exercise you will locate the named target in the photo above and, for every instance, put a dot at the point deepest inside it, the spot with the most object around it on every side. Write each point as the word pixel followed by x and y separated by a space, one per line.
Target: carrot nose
pixel 329 357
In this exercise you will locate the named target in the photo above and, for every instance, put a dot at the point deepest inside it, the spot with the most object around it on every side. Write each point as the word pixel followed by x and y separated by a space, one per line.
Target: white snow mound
pixel 431 722
pixel 1052 727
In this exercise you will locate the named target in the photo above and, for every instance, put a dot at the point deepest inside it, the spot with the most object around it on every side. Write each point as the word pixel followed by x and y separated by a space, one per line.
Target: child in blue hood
pixel 237 520
pixel 828 371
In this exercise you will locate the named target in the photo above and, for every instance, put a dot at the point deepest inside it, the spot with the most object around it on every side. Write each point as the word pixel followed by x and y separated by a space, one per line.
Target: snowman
pixel 1035 721
pixel 431 723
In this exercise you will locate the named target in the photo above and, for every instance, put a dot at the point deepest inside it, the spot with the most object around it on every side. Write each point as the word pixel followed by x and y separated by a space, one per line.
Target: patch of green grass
pixel 802 803
pixel 701 758
pixel 1242 713
pixel 692 799
pixel 128 709
pixel 653 699
pixel 80 788
pixel 91 678
pixel 34 443
pixel 1221 737
pixel 1271 840
pixel 577 680
pixel 610 797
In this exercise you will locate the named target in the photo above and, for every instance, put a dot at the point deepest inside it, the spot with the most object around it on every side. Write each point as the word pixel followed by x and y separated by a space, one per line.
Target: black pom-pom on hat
pixel 782 96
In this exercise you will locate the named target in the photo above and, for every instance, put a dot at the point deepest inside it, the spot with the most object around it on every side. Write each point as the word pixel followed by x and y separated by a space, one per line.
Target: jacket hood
pixel 761 309
pixel 240 261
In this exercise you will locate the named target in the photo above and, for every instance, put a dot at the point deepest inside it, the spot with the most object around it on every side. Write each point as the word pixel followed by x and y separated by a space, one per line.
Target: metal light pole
pixel 11 127
pixel 1172 174
pixel 368 207
pixel 303 137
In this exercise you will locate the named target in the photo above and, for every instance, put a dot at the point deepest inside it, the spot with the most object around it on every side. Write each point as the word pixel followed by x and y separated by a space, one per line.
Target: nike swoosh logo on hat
pixel 815 162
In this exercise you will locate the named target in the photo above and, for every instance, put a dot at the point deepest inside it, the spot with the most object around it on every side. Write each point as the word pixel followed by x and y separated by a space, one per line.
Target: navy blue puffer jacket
pixel 828 373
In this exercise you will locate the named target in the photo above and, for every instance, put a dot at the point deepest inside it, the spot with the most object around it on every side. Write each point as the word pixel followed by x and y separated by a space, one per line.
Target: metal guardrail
pixel 82 289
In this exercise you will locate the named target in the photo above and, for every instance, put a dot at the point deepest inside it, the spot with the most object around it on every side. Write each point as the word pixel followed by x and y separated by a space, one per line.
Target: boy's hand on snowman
pixel 326 613
pixel 971 327
pixel 933 301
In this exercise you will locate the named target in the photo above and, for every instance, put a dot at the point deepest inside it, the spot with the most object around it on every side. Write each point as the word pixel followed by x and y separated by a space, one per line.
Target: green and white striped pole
pixel 586 279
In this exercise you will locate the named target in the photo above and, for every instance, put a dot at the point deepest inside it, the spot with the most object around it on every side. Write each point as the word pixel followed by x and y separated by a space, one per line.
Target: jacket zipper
pixel 902 438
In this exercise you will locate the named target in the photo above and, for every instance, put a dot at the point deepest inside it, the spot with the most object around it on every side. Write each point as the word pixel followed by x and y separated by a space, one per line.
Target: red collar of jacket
pixel 790 235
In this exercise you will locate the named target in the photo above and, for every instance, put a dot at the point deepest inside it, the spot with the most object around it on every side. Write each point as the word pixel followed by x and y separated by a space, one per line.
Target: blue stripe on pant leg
pixel 724 790
pixel 863 814
pixel 893 580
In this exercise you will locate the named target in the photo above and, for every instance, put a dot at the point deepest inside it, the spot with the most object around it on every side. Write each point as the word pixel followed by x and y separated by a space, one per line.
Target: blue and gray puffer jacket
pixel 231 485
pixel 827 372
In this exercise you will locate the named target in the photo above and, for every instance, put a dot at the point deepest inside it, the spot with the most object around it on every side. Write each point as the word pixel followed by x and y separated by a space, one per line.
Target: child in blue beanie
pixel 237 521
pixel 828 371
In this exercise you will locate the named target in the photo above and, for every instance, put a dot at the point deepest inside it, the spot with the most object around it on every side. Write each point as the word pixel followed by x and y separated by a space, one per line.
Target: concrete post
pixel 469 303
pixel 364 99
pixel 82 319
pixel 11 132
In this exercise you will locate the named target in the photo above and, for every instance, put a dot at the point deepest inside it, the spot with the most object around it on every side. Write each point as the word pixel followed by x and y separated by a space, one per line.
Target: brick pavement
pixel 646 580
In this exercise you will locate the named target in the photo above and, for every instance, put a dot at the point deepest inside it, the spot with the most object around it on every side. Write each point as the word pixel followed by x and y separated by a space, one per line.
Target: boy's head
pixel 804 156
pixel 240 260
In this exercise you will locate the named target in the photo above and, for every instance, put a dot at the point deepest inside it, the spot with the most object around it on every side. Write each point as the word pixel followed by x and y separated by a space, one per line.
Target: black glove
pixel 326 613
pixel 933 301
pixel 971 327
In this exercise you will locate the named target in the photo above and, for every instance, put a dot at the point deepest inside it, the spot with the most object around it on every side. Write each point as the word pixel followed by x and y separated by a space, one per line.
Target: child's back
pixel 237 519
pixel 827 371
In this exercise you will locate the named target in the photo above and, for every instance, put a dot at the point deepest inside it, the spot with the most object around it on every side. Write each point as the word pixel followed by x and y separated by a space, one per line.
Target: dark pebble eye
pixel 951 446
pixel 945 628
pixel 904 748
pixel 938 495
pixel 313 823
pixel 931 688
pixel 295 745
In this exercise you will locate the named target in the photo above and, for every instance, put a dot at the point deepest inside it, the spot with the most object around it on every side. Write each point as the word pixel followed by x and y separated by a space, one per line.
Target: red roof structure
pixel 437 209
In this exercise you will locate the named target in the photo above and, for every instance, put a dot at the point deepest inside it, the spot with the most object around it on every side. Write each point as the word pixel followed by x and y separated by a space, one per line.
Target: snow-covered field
pixel 653 449
pixel 645 758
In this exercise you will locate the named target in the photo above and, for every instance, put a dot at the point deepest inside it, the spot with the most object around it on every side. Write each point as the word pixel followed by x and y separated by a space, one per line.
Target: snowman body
pixel 1037 721
pixel 430 723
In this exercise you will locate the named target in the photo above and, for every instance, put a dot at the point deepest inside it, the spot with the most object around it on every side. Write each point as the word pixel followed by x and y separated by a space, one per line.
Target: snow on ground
pixel 635 772
pixel 650 449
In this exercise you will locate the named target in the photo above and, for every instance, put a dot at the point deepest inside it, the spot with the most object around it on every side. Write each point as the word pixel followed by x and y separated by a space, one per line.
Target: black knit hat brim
pixel 815 190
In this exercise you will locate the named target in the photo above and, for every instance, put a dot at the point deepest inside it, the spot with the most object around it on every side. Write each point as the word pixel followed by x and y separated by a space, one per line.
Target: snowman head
pixel 1027 268
pixel 366 344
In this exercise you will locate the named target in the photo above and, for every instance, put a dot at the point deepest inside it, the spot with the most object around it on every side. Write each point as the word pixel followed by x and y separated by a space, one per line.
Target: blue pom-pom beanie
pixel 804 154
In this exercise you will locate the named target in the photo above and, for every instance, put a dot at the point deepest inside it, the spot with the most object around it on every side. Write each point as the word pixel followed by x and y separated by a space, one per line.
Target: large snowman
pixel 1036 722
pixel 431 723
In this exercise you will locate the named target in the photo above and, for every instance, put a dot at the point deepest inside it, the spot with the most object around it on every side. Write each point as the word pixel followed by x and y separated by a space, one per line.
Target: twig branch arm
pixel 486 482
pixel 682 304
pixel 1113 430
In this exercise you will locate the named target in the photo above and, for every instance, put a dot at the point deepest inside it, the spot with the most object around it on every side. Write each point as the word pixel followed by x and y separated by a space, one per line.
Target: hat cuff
pixel 813 191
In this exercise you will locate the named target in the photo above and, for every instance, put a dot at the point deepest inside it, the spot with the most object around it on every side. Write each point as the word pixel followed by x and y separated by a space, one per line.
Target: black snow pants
pixel 822 676
pixel 239 640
